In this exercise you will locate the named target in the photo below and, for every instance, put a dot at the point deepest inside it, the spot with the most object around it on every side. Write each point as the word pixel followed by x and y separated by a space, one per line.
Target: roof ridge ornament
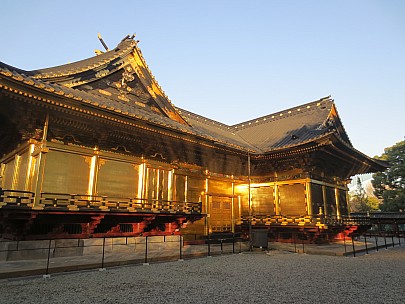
pixel 131 37
pixel 102 42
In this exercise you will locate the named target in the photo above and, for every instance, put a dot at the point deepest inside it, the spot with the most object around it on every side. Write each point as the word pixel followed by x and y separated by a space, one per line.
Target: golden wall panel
pixel 343 202
pixel 240 188
pixel 330 201
pixel 292 199
pixel 22 172
pixel 196 183
pixel 33 175
pixel 317 198
pixel 8 175
pixel 241 200
pixel 263 200
pixel 179 189
pixel 220 187
pixel 244 205
pixel 2 170
pixel 221 213
pixel 195 186
pixel 157 182
pixel 66 173
pixel 117 179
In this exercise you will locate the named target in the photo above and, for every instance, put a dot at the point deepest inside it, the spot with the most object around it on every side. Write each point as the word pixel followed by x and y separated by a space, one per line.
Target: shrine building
pixel 95 148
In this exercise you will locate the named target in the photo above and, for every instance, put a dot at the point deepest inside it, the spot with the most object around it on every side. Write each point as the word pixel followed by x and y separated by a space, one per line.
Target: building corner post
pixel 41 166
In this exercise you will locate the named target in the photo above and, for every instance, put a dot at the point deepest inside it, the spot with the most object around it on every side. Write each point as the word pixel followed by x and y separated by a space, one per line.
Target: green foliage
pixel 360 202
pixel 390 184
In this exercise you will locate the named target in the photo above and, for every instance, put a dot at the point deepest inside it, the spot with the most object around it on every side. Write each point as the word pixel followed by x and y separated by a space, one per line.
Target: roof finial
pixel 102 42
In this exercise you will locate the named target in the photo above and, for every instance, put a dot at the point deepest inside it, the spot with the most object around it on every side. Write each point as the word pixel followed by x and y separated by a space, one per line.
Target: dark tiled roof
pixel 218 131
pixel 291 127
pixel 93 63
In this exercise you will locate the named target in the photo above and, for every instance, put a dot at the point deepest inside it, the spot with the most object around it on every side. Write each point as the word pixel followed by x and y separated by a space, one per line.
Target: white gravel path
pixel 240 278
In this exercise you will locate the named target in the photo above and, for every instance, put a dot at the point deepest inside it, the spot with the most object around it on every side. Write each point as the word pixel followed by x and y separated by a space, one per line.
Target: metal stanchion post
pixel 233 242
pixel 392 237
pixel 365 242
pixel 385 241
pixel 46 276
pixel 303 248
pixel 295 243
pixel 102 259
pixel 181 248
pixel 146 251
pixel 354 249
pixel 376 243
pixel 344 243
pixel 209 245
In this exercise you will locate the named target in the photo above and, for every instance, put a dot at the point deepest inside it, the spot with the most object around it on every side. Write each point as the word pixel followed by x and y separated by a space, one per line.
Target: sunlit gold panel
pixel 220 187
pixel 263 200
pixel 66 173
pixel 221 213
pixel 22 172
pixel 33 175
pixel 117 179
pixel 195 186
pixel 150 183
pixel 179 189
pixel 157 181
pixel 163 186
pixel 241 190
pixel 292 199
pixel 2 170
pixel 8 175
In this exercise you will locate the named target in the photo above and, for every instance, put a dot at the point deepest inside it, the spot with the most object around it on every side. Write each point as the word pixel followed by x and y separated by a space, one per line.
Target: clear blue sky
pixel 237 60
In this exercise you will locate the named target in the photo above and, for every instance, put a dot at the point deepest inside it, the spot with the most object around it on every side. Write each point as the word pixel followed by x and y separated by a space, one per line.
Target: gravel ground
pixel 276 277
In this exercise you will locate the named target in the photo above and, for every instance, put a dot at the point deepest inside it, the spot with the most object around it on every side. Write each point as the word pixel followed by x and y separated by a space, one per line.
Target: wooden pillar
pixel 276 199
pixel 347 199
pixel 207 209
pixel 40 166
pixel 93 172
pixel 309 197
pixel 337 202
pixel 233 208
pixel 141 181
pixel 170 185
pixel 30 168
pixel 325 210
pixel 186 189
pixel 144 188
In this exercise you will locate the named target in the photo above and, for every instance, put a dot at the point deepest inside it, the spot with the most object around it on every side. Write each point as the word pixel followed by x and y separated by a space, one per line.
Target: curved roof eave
pixel 92 63
pixel 102 66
